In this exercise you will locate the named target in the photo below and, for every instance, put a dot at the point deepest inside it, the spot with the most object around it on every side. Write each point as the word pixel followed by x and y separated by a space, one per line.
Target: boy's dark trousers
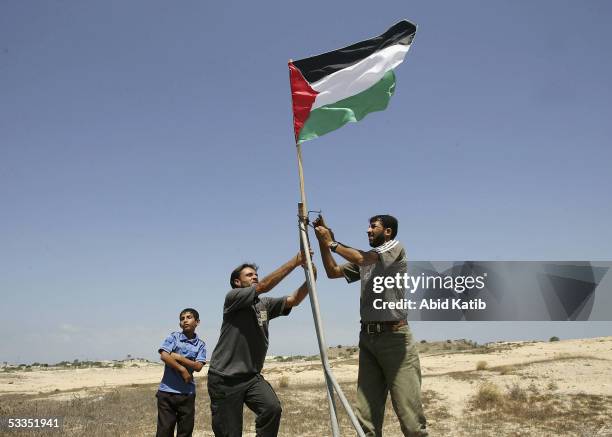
pixel 175 409
pixel 227 397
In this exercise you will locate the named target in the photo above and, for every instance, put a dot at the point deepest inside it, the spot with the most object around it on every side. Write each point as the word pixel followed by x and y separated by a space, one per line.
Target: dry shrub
pixel 487 397
pixel 505 370
pixel 549 414
pixel 283 381
pixel 533 389
pixel 516 393
pixel 481 365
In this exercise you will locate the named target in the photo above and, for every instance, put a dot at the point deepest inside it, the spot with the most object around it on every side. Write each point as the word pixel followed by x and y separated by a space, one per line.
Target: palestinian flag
pixel 335 88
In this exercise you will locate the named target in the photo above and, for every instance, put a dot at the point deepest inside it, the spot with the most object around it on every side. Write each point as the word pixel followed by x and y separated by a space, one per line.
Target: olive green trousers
pixel 389 363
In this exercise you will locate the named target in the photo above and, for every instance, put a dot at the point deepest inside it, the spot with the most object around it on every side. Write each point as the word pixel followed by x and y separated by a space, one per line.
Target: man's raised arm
pixel 298 295
pixel 355 256
pixel 271 280
pixel 324 236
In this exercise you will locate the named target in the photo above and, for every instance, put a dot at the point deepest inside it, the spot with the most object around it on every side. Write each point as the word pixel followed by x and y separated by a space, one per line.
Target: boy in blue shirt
pixel 183 353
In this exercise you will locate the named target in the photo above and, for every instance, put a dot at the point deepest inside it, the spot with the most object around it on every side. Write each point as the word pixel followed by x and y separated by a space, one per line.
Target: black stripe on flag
pixel 317 67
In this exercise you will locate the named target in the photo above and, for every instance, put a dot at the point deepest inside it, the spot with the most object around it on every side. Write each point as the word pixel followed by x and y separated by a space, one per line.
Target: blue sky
pixel 146 149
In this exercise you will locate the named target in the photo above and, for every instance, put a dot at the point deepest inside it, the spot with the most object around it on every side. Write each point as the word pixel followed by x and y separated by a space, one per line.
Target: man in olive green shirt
pixel 388 359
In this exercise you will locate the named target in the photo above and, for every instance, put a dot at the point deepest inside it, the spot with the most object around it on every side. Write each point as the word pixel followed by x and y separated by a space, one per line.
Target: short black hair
pixel 388 221
pixel 236 272
pixel 193 312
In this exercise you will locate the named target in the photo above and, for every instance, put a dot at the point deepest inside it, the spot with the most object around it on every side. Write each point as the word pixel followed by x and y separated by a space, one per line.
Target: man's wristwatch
pixel 333 246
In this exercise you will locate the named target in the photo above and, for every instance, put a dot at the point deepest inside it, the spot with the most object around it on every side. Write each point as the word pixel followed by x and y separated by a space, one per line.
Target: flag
pixel 342 86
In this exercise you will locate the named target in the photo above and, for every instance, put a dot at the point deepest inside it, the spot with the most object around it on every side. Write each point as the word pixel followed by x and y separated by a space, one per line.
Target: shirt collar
pixel 183 337
pixel 386 244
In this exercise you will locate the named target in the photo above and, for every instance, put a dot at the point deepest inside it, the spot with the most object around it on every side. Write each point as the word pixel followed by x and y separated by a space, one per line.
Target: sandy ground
pixel 56 380
pixel 571 366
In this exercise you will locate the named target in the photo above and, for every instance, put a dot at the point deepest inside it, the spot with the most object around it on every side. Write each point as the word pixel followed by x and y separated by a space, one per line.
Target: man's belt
pixel 378 327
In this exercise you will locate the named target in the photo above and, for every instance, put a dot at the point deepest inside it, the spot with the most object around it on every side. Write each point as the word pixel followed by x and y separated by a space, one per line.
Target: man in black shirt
pixel 234 376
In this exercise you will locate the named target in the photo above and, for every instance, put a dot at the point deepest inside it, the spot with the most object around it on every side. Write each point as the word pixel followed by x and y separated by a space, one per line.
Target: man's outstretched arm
pixel 332 269
pixel 272 280
pixel 298 295
pixel 354 256
pixel 357 256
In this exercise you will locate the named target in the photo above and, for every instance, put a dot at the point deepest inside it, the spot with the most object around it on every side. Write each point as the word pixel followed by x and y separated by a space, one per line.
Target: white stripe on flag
pixel 358 77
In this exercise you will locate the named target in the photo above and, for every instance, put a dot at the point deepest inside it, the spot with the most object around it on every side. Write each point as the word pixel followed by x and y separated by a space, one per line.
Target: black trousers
pixel 227 397
pixel 175 409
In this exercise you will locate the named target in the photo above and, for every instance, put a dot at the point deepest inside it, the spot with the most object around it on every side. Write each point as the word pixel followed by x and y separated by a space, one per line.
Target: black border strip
pixel 319 66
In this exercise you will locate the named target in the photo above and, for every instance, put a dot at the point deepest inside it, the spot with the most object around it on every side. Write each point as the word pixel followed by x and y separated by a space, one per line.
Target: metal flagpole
pixel 314 304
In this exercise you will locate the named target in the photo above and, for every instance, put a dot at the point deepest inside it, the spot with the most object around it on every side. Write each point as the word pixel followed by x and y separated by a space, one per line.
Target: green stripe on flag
pixel 335 115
